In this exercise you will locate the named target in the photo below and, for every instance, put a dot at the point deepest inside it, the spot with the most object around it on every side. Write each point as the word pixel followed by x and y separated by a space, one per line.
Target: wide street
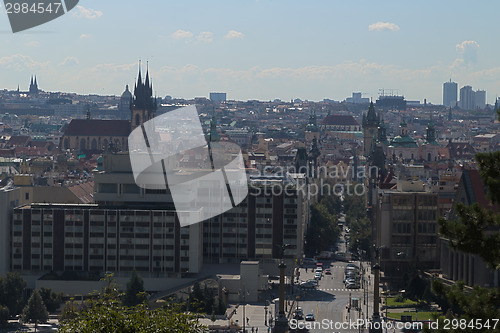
pixel 330 300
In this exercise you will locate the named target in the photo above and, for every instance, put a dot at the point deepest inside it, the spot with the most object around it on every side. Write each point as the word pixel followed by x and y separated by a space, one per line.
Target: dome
pixel 404 141
pixel 126 94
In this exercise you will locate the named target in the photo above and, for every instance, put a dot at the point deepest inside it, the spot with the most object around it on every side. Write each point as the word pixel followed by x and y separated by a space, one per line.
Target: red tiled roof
pixel 8 152
pixel 18 140
pixel 478 189
pixel 84 192
pixel 339 120
pixel 31 151
pixel 97 127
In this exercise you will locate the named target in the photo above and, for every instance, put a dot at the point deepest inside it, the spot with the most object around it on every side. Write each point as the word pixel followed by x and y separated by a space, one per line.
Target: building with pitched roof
pixel 404 146
pixel 97 135
pixel 457 265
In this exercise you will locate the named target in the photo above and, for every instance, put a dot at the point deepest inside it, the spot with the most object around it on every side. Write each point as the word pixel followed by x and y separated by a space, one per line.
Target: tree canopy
pixel 135 290
pixel 323 231
pixel 12 292
pixel 35 311
pixel 475 231
pixel 104 312
pixel 51 299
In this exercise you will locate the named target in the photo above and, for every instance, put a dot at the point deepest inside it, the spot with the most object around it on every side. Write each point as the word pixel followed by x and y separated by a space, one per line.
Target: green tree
pixel 221 307
pixel 135 290
pixel 475 231
pixel 12 289
pixel 323 231
pixel 35 311
pixel 332 203
pixel 4 315
pixel 69 311
pixel 105 313
pixel 361 236
pixel 51 299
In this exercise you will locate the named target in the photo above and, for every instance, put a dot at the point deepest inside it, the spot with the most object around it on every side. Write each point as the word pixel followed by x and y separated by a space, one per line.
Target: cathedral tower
pixel 370 129
pixel 143 106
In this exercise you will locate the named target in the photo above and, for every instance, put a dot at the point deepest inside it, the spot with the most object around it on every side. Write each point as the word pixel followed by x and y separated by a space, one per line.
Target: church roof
pixel 126 94
pixel 404 141
pixel 97 127
pixel 340 120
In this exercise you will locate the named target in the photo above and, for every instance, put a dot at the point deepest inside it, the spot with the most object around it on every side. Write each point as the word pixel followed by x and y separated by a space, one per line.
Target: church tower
pixel 143 106
pixel 33 86
pixel 370 129
pixel 431 132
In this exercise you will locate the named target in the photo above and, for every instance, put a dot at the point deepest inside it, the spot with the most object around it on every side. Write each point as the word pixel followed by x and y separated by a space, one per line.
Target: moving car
pixel 299 314
pixel 328 272
pixel 317 276
pixel 309 284
pixel 310 317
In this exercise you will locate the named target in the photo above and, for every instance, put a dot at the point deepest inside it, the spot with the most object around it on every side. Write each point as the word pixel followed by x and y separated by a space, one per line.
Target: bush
pixel 399 299
pixel 4 315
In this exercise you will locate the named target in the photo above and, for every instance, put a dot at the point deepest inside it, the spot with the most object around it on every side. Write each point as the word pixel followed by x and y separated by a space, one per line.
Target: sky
pixel 261 49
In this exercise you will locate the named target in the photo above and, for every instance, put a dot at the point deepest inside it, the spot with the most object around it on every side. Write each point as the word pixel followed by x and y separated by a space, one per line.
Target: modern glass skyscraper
pixel 450 93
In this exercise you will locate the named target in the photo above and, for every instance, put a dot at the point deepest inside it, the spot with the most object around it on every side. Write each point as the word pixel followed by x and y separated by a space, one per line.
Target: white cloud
pixel 19 62
pixel 87 13
pixel 85 36
pixel 381 26
pixel 467 44
pixel 206 37
pixel 33 43
pixel 182 34
pixel 115 67
pixel 234 34
pixel 468 50
pixel 70 61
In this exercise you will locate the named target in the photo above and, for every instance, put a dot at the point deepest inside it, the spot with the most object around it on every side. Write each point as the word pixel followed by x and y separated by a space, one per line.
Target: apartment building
pixel 131 228
pixel 406 229
pixel 258 226
pixel 55 237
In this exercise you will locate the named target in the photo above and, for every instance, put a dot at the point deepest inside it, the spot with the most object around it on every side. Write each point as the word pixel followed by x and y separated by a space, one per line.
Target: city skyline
pixel 260 49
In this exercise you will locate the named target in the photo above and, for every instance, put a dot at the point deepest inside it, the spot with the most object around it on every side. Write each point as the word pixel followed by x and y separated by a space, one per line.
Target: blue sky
pixel 261 49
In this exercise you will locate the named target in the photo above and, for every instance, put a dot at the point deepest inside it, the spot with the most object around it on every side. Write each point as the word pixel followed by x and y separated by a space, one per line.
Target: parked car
pixel 317 276
pixel 351 269
pixel 352 275
pixel 310 317
pixel 352 285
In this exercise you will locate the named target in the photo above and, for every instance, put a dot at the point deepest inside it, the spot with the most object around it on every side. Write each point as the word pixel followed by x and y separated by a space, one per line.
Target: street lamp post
pixel 376 326
pixel 265 313
pixel 281 324
pixel 244 303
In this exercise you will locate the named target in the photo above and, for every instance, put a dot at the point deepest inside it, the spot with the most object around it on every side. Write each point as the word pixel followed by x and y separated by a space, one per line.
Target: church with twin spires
pixel 97 135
